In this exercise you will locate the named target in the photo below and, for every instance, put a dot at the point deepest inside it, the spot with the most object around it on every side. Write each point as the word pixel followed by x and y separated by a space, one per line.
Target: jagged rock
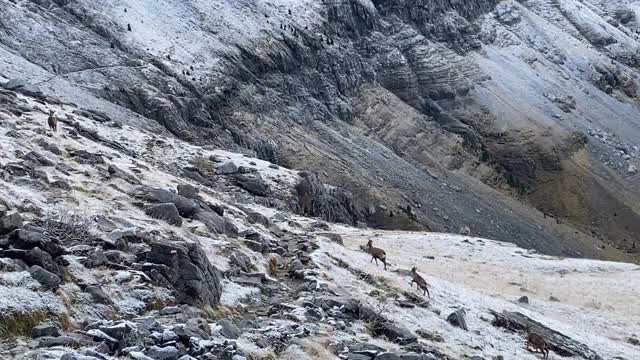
pixel 35 256
pixel 60 184
pixel 457 319
pixel 72 340
pixel 429 335
pixel 295 266
pixel 395 333
pixel 169 310
pixel 165 211
pixel 116 172
pixel 188 270
pixel 353 356
pixel 632 169
pixel 242 261
pixel 553 298
pixel 45 329
pixel 348 305
pixel 229 330
pixel 216 223
pixel 137 355
pixel 27 239
pixel 87 158
pixel 188 191
pixel 194 328
pixel 523 300
pixel 38 159
pixel 633 341
pixel 255 217
pixel 14 84
pixel 253 184
pixel 47 279
pixel 75 356
pixel 163 353
pixel 331 204
pixel 4 207
pixel 98 295
pixel 416 356
pixel 186 207
pixel 387 356
pixel 465 230
pixel 49 147
pixel 10 222
pixel 227 168
pixel 557 342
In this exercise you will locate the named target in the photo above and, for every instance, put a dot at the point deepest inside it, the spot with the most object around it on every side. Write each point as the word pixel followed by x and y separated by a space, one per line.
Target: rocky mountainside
pixel 433 115
pixel 120 243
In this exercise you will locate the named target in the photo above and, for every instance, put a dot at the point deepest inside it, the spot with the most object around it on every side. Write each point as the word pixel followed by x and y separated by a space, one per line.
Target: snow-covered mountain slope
pixel 434 114
pixel 119 243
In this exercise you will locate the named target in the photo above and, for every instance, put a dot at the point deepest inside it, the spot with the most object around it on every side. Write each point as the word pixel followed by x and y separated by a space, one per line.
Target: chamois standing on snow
pixel 53 121
pixel 377 254
pixel 421 283
pixel 538 343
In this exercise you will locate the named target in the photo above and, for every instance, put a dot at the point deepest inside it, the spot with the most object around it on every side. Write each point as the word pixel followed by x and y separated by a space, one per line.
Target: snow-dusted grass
pixel 478 275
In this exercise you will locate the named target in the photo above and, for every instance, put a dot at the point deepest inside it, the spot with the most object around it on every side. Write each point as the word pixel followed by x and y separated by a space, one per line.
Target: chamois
pixel 421 283
pixel 377 254
pixel 53 121
pixel 537 341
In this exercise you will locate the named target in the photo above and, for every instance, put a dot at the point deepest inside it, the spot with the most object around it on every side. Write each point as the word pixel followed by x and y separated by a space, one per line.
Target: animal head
pixel 370 243
pixel 414 269
pixel 51 111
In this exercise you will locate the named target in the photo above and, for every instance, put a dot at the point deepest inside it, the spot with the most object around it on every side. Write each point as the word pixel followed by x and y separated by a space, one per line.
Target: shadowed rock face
pixel 186 268
pixel 472 113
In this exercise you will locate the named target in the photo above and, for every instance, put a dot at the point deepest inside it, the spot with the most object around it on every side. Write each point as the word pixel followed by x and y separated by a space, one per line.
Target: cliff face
pixel 434 114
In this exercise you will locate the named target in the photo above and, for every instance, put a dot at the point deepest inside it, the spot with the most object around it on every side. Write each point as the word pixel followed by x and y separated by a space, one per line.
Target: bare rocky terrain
pixel 219 165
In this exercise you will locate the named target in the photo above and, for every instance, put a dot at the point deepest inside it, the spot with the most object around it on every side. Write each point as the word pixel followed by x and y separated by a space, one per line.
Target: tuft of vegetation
pixel 381 308
pixel 67 226
pixel 272 265
pixel 204 165
pixel 21 323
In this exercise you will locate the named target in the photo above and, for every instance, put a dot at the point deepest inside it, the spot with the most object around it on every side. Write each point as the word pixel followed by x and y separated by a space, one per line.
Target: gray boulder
pixel 35 256
pixel 26 240
pixel 457 319
pixel 186 207
pixel 163 353
pixel 98 294
pixel 216 223
pixel 9 222
pixel 229 330
pixel 116 172
pixel 45 329
pixel 253 184
pixel 257 218
pixel 165 211
pixel 47 279
pixel 4 207
pixel 387 356
pixel 188 191
pixel 187 268
pixel 227 168
pixel 38 159
pixel 395 333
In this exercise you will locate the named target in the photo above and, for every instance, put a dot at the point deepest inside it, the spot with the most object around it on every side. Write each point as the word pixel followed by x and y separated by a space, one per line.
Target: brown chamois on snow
pixel 421 283
pixel 53 120
pixel 377 254
pixel 537 341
